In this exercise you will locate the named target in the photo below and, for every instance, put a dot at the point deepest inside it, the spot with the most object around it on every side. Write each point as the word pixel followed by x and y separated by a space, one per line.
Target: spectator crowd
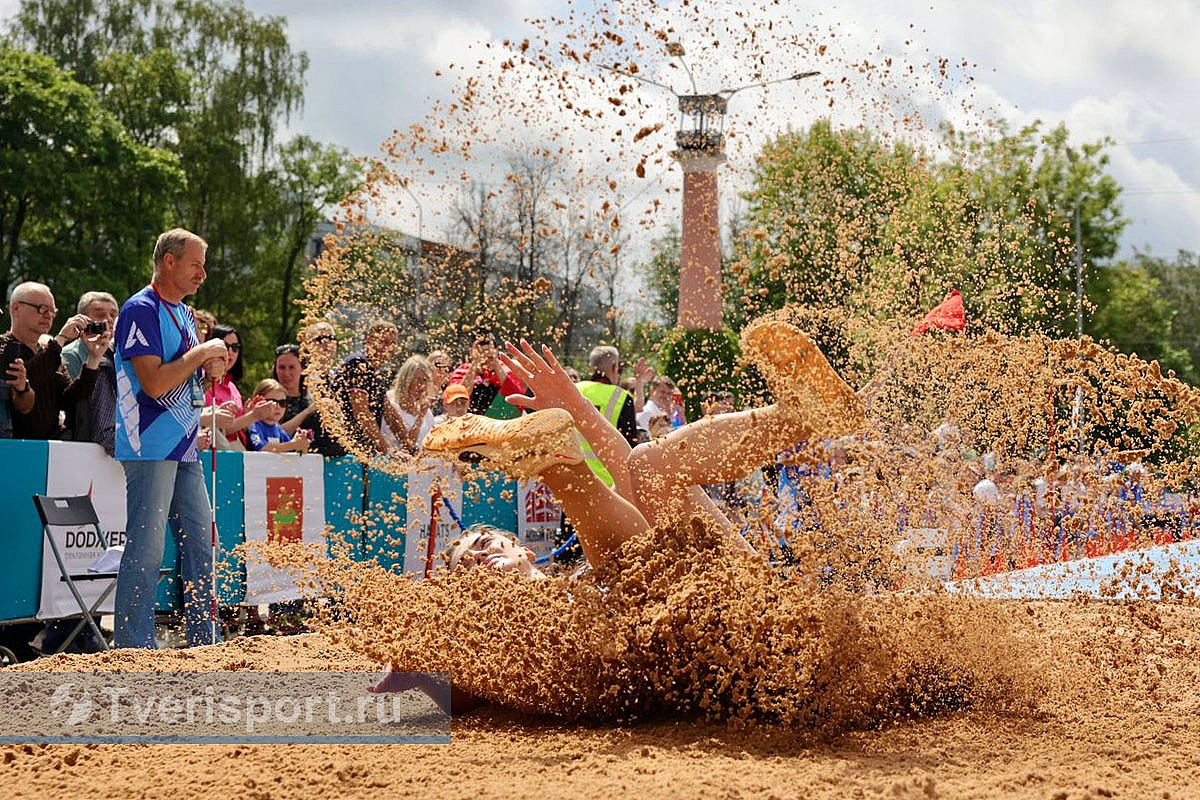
pixel 154 382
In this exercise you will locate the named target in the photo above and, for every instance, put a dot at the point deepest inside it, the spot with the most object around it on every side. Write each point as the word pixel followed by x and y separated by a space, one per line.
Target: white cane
pixel 212 500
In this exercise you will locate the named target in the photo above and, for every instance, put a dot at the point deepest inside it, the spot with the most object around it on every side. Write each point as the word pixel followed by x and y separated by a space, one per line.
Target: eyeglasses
pixel 236 347
pixel 280 403
pixel 442 366
pixel 40 308
pixel 324 337
pixel 287 348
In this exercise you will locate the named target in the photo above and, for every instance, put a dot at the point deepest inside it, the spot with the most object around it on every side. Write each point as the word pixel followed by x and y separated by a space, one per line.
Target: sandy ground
pixel 1128 727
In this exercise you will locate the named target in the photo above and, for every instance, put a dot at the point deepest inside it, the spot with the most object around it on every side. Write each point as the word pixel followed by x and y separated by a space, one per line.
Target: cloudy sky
pixel 1114 68
pixel 1125 70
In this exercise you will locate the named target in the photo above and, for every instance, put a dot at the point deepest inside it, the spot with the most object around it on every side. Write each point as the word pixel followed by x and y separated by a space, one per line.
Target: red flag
pixel 947 316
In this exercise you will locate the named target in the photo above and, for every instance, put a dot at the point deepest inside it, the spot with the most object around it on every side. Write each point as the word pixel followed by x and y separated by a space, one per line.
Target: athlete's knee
pixel 641 461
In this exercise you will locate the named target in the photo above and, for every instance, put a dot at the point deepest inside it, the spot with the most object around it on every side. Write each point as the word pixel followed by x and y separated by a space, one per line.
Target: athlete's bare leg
pixel 714 449
pixel 603 519
pixel 662 479
pixel 811 400
pixel 543 445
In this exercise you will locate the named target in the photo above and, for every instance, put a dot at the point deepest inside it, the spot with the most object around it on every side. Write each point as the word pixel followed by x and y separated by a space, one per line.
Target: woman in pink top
pixel 232 416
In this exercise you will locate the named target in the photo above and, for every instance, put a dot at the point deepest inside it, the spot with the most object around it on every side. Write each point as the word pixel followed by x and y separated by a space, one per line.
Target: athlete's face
pixel 493 550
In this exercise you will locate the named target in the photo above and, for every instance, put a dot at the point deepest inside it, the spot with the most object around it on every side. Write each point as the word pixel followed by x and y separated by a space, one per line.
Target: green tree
pixel 1036 186
pixel 1179 281
pixel 662 274
pixel 78 196
pixel 309 180
pixel 1133 313
pixel 819 203
pixel 870 233
pixel 212 84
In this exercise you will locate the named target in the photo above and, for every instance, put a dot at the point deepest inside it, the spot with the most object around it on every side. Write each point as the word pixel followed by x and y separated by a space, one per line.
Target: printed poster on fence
pixel 81 468
pixel 445 477
pixel 538 516
pixel 285 505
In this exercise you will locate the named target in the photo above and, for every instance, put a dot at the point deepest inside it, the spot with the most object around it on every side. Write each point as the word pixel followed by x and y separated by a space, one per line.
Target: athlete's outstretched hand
pixel 542 375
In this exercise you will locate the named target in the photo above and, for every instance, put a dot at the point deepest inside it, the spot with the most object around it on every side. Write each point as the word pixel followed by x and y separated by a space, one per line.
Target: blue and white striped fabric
pixel 154 428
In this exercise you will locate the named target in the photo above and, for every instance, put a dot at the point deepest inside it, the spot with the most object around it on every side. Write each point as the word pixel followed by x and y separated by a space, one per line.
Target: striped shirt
pixel 154 428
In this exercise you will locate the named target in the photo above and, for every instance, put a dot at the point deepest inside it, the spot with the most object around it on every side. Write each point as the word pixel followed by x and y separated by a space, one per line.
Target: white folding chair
pixel 77 512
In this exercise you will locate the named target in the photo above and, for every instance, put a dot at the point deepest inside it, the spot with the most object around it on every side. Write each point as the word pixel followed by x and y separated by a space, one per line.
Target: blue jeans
pixel 158 493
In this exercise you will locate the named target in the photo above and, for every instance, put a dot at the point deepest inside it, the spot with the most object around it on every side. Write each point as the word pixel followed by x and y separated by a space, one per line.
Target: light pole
pixel 1072 158
pixel 1078 273
pixel 419 268
pixel 1077 404
pixel 420 218
pixel 701 149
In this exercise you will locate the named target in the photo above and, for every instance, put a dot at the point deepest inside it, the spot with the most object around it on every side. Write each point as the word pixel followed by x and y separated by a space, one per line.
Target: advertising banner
pixel 538 517
pixel 285 505
pixel 73 469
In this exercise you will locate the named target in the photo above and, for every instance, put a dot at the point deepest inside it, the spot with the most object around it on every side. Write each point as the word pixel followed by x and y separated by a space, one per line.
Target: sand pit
pixel 1119 720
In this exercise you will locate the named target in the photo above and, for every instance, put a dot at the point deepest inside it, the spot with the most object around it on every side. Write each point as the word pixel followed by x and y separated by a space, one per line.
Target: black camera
pixel 95 327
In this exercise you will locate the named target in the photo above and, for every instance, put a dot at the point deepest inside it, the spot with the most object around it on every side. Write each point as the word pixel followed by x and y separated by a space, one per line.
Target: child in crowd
pixel 267 434
pixel 456 399
pixel 660 426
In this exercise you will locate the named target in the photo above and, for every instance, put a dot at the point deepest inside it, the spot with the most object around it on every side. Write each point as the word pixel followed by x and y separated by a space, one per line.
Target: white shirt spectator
pixel 986 492
pixel 409 420
pixel 649 411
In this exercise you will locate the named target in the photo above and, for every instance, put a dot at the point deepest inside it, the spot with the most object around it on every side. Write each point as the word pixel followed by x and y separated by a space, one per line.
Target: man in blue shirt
pixel 160 394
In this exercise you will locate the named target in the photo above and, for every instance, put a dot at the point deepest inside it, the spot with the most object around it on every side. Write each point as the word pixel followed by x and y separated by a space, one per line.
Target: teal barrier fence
pixel 365 516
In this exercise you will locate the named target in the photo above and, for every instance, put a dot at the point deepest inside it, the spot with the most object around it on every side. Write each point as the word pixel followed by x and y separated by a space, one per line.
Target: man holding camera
pixel 94 418
pixel 28 347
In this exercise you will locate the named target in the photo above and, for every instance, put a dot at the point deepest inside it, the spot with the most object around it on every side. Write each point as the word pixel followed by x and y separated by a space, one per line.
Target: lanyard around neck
pixel 186 337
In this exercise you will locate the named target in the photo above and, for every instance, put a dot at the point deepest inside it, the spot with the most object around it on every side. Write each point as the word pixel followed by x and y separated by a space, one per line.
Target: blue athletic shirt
pixel 148 428
pixel 261 433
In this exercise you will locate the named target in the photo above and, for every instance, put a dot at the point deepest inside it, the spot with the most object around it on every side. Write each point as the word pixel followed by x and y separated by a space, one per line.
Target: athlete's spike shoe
pixel 522 447
pixel 800 376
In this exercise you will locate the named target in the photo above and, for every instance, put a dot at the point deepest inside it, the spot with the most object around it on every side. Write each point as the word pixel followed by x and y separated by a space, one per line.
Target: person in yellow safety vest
pixel 614 403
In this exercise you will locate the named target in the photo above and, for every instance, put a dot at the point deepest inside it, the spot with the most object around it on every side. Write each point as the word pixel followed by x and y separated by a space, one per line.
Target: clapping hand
pixel 259 406
pixel 543 375
pixel 642 372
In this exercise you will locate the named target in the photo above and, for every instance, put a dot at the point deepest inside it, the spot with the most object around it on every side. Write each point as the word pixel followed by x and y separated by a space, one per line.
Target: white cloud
pixel 1104 67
